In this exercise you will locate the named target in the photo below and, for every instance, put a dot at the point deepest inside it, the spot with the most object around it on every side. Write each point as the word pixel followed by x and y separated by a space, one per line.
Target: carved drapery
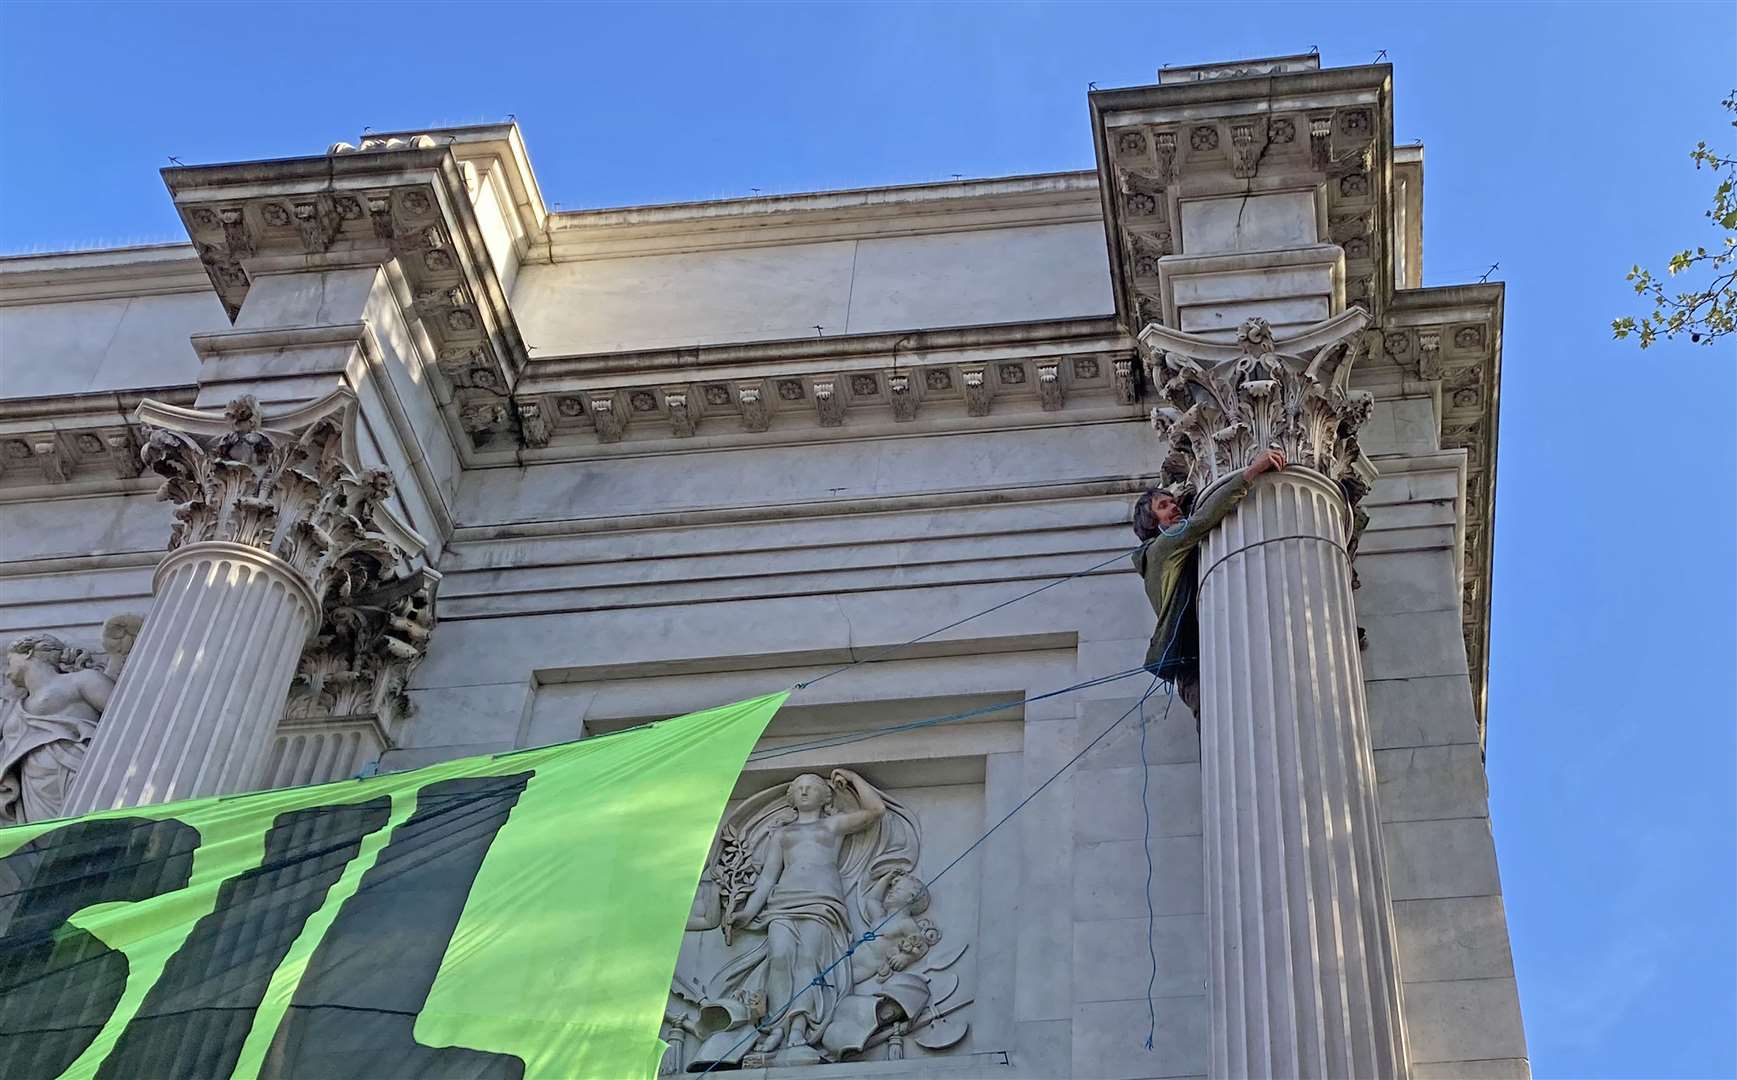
pixel 1224 404
pixel 53 696
pixel 798 874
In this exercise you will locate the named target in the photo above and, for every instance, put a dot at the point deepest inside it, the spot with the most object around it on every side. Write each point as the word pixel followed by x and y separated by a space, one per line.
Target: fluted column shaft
pixel 196 705
pixel 1303 976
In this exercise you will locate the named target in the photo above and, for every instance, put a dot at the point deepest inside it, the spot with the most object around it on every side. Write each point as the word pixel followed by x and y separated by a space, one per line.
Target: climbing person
pixel 1168 560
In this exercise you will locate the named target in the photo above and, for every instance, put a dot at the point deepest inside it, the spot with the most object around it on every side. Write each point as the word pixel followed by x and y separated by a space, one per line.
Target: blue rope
pixel 1151 913
pixel 1146 812
pixel 961 622
pixel 912 725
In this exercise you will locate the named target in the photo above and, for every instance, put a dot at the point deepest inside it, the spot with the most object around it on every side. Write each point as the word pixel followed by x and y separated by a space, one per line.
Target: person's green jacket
pixel 1168 562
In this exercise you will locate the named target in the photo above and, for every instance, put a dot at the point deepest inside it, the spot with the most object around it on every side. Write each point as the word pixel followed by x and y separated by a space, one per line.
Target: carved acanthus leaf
pixel 1222 405
pixel 292 487
pixel 360 661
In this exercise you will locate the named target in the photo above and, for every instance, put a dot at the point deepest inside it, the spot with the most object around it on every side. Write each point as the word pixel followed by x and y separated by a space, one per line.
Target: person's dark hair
pixel 1145 522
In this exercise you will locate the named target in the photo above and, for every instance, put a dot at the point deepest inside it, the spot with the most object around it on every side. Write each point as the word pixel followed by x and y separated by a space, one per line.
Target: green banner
pixel 496 917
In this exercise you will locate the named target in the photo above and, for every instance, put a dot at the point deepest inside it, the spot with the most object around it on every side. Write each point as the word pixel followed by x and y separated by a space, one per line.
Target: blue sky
pixel 1557 139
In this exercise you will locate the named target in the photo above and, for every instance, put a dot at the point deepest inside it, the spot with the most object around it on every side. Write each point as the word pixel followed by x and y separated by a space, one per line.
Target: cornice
pixel 114 273
pixel 407 207
pixel 866 213
pixel 1091 488
pixel 1329 131
pixel 802 390
pixel 68 445
pixel 489 145
pixel 1450 337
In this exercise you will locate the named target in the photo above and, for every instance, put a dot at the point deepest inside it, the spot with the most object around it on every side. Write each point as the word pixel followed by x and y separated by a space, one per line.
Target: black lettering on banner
pixel 59 984
pixel 195 1020
pixel 355 1009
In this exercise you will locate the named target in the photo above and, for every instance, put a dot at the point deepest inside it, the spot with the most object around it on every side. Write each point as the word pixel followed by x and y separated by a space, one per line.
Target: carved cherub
pixel 896 904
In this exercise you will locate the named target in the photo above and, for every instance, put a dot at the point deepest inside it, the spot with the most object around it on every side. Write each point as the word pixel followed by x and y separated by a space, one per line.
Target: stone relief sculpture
pixel 53 696
pixel 799 873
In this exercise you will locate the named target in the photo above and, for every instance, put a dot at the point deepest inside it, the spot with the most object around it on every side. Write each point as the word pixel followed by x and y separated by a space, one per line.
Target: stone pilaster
pixel 275 523
pixel 1303 975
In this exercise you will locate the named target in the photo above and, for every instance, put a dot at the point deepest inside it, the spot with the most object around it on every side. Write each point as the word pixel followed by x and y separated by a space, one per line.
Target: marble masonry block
pixel 1489 1069
pixel 307 298
pixel 1411 645
pixel 1428 859
pixel 1044 987
pixel 1110 1039
pixel 1046 873
pixel 1285 219
pixel 1429 711
pixel 104 525
pixel 695 298
pixel 998 908
pixel 809 475
pixel 1435 485
pixel 1461 937
pixel 1110 879
pixel 984 276
pixel 87 346
pixel 1464 1020
pixel 1101 658
pixel 1107 805
pixel 1112 963
pixel 415 758
pixel 490 713
pixel 1048 828
pixel 1398 582
pixel 1416 426
pixel 558 712
pixel 1040 1048
pixel 1405 516
pixel 1171 734
pixel 1210 295
pixel 1423 783
pixel 1404 425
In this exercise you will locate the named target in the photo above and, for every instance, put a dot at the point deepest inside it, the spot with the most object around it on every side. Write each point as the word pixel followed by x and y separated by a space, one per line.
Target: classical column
pixel 274 523
pixel 1303 974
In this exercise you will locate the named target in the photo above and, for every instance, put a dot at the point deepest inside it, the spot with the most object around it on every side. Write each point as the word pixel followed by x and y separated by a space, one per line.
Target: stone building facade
pixel 391 464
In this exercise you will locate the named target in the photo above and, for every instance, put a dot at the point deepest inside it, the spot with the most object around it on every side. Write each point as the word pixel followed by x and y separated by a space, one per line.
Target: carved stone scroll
pixel 1224 404
pixel 276 523
pixel 293 489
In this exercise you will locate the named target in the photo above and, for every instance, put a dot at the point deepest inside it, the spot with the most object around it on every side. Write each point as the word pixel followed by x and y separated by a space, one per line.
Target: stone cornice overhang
pixel 64 445
pixel 1356 209
pixel 501 145
pixel 772 393
pixel 1449 339
pixel 105 274
pixel 904 210
pixel 405 209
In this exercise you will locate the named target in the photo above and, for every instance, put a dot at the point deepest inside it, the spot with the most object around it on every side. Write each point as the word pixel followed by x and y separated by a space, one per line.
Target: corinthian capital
pixel 291 485
pixel 1224 404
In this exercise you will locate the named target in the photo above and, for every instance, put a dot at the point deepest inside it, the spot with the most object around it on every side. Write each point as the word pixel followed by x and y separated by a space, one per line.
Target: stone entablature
pixel 856 214
pixel 681 546
pixel 76 443
pixel 1323 135
pixel 858 384
pixel 406 208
